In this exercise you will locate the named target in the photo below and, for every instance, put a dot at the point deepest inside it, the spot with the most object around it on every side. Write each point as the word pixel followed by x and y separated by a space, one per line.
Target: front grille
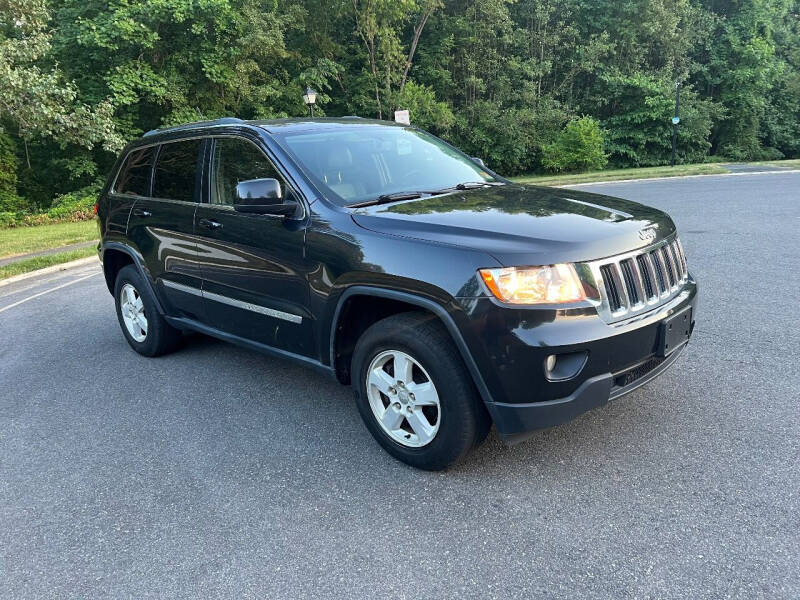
pixel 640 280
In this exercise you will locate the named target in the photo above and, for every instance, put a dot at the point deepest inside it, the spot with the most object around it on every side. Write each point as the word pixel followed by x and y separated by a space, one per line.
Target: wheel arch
pixel 115 256
pixel 342 340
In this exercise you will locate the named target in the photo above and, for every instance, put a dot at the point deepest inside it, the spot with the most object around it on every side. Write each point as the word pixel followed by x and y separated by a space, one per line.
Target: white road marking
pixel 58 287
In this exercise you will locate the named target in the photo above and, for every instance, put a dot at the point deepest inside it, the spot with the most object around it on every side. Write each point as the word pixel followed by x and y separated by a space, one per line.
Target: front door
pixel 162 226
pixel 254 272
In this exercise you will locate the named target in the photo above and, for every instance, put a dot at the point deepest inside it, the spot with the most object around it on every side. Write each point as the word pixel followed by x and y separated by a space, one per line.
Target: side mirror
pixel 262 197
pixel 479 160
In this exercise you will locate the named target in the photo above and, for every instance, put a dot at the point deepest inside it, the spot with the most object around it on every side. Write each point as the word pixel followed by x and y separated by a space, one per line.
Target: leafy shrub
pixel 7 219
pixel 509 139
pixel 74 206
pixel 579 147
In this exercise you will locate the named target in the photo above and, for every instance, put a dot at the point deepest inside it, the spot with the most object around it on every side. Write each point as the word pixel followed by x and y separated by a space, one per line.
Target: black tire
pixel 161 337
pixel 463 420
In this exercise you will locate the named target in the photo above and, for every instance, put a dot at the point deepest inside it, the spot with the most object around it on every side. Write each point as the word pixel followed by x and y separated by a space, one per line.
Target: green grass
pixel 793 163
pixel 23 240
pixel 617 174
pixel 40 262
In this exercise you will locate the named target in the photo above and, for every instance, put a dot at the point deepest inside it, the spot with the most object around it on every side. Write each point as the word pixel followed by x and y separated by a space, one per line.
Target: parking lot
pixel 218 472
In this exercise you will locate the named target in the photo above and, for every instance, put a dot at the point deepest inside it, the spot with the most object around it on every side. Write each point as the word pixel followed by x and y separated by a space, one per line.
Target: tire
pixel 450 429
pixel 157 337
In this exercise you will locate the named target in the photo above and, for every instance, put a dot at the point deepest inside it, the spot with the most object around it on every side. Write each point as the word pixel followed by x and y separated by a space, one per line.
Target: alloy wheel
pixel 403 398
pixel 132 310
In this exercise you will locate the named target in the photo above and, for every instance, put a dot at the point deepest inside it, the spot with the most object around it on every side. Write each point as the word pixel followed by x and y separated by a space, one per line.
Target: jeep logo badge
pixel 647 234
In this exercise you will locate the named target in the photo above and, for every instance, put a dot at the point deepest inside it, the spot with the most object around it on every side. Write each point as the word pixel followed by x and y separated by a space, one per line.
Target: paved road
pixel 217 472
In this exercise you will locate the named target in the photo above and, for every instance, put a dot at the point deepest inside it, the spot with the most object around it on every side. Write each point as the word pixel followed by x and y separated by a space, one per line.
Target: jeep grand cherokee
pixel 448 297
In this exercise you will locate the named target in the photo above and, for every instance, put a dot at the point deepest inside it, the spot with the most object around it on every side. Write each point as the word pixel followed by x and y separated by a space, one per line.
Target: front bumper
pixel 620 357
pixel 515 422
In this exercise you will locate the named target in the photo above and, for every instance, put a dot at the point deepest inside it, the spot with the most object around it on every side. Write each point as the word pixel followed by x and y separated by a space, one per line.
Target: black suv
pixel 446 295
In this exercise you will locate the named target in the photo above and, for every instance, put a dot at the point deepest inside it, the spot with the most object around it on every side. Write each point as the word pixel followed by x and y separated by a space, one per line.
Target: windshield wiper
pixel 386 198
pixel 469 185
pixel 396 196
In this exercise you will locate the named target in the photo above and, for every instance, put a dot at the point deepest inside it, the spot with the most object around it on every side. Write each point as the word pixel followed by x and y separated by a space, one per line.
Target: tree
pixel 40 101
pixel 379 24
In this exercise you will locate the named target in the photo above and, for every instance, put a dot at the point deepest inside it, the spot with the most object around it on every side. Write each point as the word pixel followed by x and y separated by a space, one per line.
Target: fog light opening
pixel 559 367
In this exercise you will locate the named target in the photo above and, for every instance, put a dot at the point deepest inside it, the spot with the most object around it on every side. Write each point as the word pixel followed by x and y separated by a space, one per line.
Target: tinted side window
pixel 134 176
pixel 237 160
pixel 175 175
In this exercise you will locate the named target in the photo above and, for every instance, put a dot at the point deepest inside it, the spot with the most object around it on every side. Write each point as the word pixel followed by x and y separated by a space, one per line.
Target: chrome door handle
pixel 140 212
pixel 209 224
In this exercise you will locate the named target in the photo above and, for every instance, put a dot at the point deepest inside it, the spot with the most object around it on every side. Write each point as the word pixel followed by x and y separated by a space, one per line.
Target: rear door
pixel 254 271
pixel 161 226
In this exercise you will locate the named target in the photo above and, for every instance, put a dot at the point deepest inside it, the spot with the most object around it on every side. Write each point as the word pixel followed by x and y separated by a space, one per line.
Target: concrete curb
pixel 54 269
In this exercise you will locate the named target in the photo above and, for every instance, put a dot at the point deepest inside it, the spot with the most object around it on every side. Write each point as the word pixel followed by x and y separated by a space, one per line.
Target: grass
pixel 617 174
pixel 793 163
pixel 23 240
pixel 40 262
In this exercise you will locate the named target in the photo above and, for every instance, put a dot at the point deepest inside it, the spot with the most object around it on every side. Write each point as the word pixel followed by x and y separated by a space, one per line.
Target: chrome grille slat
pixel 640 280
pixel 626 266
pixel 683 256
pixel 658 263
pixel 678 252
pixel 647 274
pixel 676 263
pixel 611 287
pixel 668 263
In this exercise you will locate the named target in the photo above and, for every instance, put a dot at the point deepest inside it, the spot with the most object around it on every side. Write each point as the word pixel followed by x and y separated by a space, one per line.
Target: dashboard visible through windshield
pixel 355 164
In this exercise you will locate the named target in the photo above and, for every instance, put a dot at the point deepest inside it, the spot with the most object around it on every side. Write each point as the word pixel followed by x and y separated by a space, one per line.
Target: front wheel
pixel 143 326
pixel 415 394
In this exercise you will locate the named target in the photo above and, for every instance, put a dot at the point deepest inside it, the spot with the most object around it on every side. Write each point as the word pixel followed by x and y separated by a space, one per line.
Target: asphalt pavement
pixel 217 472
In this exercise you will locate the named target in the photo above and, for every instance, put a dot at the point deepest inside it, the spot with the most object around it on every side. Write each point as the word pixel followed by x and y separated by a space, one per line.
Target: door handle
pixel 140 212
pixel 209 224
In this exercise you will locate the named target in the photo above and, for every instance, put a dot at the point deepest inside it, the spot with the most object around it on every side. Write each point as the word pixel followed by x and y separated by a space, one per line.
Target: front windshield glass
pixel 359 163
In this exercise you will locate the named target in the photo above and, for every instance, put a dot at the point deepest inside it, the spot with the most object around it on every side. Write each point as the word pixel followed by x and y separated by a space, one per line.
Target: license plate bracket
pixel 674 331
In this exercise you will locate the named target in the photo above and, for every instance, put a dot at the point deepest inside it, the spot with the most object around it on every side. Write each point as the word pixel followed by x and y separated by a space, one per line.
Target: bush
pixel 73 206
pixel 509 139
pixel 579 147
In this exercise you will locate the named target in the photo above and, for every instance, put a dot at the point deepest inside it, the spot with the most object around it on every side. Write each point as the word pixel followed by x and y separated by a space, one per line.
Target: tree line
pixel 528 85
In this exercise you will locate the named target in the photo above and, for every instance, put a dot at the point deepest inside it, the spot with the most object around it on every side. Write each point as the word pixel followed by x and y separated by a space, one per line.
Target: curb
pixel 53 269
pixel 568 185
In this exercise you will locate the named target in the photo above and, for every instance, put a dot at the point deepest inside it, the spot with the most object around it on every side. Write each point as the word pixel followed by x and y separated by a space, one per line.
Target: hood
pixel 524 225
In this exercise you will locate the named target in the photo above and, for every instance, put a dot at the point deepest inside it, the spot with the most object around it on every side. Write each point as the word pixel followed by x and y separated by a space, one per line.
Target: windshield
pixel 358 163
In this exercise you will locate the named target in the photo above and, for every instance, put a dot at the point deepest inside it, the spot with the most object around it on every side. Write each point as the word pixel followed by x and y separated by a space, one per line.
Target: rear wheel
pixel 414 393
pixel 142 325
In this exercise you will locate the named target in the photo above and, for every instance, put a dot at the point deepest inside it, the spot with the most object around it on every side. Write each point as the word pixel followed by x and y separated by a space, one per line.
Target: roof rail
pixel 351 117
pixel 222 121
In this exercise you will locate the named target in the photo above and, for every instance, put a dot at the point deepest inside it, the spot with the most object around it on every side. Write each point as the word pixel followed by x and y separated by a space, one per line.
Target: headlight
pixel 553 284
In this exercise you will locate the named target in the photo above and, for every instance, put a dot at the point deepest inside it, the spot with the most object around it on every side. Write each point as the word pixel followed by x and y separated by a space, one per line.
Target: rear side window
pixel 176 175
pixel 134 176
